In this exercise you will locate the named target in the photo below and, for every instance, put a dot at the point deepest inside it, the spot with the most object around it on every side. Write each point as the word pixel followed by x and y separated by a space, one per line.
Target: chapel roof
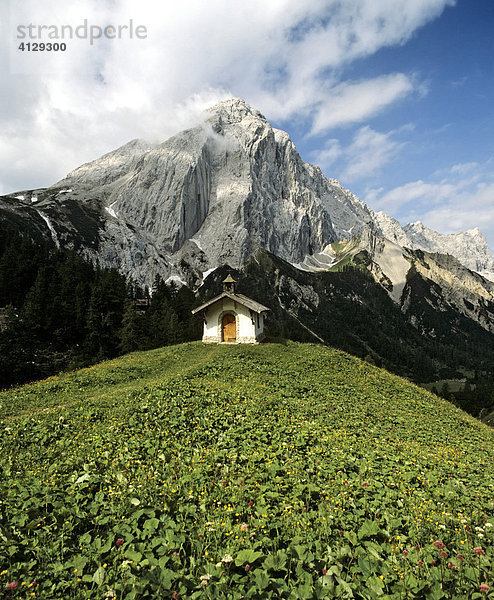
pixel 240 298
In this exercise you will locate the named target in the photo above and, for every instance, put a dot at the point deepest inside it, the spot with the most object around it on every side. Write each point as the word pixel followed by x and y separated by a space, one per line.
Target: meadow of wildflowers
pixel 277 471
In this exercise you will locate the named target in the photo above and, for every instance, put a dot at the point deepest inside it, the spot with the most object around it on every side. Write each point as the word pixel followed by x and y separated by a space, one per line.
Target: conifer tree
pixel 132 335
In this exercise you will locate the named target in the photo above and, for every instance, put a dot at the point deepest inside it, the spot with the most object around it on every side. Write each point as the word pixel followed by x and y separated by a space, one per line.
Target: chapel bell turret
pixel 229 285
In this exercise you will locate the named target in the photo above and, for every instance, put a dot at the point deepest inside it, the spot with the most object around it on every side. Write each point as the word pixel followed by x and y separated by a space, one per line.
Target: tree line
pixel 58 311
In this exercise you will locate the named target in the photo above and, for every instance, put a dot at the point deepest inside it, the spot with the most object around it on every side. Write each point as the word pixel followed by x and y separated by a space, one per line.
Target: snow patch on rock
pixel 53 232
pixel 175 279
pixel 111 211
pixel 196 242
pixel 206 273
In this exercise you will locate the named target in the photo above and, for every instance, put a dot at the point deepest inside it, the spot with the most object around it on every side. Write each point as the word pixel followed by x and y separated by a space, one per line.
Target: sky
pixel 394 98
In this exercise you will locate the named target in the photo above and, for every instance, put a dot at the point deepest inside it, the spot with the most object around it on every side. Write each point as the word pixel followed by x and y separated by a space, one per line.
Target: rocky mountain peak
pixel 234 110
pixel 469 247
pixel 235 120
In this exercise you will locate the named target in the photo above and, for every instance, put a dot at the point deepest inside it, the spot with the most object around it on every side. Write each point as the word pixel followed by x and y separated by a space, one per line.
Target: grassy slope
pixel 318 473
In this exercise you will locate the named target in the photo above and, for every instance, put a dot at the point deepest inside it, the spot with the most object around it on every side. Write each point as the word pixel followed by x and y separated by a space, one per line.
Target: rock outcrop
pixel 469 247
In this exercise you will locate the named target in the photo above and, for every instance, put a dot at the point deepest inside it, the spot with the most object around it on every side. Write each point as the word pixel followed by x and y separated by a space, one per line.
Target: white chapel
pixel 232 318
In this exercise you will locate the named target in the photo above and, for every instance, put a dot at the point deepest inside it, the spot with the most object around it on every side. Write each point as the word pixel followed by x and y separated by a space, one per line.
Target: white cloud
pixel 369 152
pixel 364 157
pixel 329 154
pixel 461 199
pixel 356 101
pixel 414 192
pixel 283 56
pixel 468 207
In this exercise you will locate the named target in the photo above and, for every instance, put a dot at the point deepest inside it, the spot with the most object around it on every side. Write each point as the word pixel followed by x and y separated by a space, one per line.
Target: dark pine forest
pixel 59 312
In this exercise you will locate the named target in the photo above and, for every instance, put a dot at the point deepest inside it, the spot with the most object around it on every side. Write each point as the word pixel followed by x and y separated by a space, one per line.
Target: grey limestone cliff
pixel 469 247
pixel 212 195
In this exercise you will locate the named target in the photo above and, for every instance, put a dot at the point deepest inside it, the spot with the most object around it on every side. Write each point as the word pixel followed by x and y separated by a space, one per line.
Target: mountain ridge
pixel 235 173
pixel 214 194
pixel 469 247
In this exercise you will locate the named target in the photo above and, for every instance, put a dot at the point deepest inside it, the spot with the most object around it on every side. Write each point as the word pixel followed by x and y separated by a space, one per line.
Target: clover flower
pixel 13 585
pixel 479 551
pixel 484 588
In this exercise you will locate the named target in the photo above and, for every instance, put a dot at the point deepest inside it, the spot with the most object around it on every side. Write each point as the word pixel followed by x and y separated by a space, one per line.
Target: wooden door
pixel 229 328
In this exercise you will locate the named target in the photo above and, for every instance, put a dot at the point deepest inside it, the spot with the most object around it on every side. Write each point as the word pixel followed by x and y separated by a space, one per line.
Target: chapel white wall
pixel 247 331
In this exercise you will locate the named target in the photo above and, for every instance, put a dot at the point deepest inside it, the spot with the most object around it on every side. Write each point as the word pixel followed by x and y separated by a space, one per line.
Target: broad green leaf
pixel 369 529
pixel 375 584
pixel 261 578
pixel 133 555
pixel 247 556
pixel 99 576
pixel 276 562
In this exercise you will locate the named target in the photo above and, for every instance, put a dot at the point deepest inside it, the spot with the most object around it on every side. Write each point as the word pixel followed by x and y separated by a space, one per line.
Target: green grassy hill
pixel 275 471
